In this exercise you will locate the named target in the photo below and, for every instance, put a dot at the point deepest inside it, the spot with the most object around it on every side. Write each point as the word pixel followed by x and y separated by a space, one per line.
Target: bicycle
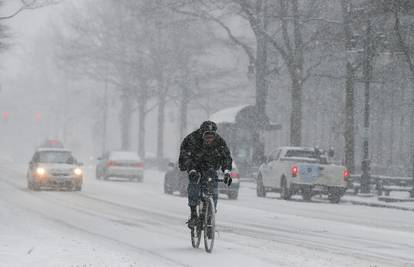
pixel 206 218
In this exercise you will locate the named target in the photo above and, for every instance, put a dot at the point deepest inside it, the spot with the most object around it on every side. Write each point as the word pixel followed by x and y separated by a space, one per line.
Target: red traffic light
pixel 38 116
pixel 5 115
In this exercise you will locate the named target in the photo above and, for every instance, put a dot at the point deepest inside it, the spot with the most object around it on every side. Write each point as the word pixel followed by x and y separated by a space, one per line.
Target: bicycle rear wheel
pixel 209 226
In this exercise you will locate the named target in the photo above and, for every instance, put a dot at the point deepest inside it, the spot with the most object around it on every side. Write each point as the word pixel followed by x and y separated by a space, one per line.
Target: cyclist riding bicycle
pixel 202 153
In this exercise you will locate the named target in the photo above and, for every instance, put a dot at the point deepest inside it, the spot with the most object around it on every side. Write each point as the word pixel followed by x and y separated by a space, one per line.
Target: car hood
pixel 57 167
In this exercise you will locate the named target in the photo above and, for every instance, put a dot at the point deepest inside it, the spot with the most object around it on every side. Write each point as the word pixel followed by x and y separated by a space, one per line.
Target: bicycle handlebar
pixel 218 180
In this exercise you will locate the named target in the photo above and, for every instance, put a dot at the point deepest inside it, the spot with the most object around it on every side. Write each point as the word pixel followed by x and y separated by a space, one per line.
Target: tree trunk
pixel 296 75
pixel 141 131
pixel 261 66
pixel 161 122
pixel 349 118
pixel 126 113
pixel 349 134
pixel 296 113
pixel 183 111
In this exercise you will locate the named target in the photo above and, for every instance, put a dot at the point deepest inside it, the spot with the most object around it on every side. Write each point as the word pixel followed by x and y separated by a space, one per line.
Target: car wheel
pixel 233 195
pixel 167 189
pixel 306 194
pixel 334 196
pixel 285 192
pixel 78 188
pixel 35 186
pixel 260 190
pixel 29 185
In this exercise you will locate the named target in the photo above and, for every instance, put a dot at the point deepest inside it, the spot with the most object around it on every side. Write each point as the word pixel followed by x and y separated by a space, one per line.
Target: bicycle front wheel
pixel 196 234
pixel 209 226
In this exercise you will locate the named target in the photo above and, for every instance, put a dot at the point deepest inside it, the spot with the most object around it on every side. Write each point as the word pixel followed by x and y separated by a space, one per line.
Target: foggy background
pixel 67 64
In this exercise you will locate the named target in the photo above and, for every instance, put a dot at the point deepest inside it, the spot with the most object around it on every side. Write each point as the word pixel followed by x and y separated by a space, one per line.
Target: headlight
pixel 77 171
pixel 40 171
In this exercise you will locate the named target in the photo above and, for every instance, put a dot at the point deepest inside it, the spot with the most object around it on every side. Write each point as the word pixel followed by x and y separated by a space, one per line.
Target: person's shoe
pixel 192 222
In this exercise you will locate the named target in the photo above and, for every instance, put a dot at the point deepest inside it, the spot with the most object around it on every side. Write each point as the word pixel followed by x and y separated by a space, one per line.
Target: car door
pixel 102 163
pixel 269 177
pixel 274 177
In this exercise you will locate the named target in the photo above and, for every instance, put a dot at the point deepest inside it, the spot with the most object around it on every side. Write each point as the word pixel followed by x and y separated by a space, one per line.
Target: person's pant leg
pixel 193 191
pixel 215 194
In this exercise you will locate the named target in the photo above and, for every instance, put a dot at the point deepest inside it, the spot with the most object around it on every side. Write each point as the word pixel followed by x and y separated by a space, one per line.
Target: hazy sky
pixel 23 30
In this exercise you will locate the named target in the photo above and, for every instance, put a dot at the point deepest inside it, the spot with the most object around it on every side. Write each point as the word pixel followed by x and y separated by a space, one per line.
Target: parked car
pixel 54 168
pixel 176 180
pixel 120 164
pixel 304 170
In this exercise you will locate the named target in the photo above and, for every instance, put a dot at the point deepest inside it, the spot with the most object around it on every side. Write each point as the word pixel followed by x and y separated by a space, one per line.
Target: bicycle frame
pixel 206 211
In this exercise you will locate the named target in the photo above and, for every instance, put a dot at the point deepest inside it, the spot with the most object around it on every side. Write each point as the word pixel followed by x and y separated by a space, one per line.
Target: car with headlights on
pixel 176 180
pixel 54 168
pixel 120 164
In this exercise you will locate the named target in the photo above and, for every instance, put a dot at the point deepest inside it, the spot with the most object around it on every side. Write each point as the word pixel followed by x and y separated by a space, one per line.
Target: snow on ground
pixel 116 223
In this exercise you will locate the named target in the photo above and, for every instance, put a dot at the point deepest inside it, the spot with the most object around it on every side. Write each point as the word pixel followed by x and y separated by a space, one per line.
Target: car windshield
pixel 56 157
pixel 301 154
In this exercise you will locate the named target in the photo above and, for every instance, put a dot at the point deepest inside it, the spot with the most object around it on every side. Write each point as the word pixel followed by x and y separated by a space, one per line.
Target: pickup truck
pixel 301 170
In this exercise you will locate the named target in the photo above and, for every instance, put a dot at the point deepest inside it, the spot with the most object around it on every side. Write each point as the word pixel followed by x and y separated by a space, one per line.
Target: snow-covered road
pixel 113 223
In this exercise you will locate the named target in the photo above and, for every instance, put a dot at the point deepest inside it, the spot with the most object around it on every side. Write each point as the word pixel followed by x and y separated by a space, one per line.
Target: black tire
pixel 285 192
pixel 29 185
pixel 196 236
pixel 167 189
pixel 260 190
pixel 306 194
pixel 233 195
pixel 209 226
pixel 78 188
pixel 334 198
pixel 35 186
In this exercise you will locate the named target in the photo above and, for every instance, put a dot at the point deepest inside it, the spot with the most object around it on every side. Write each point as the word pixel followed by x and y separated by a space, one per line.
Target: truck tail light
pixel 110 163
pixel 346 174
pixel 294 171
pixel 234 174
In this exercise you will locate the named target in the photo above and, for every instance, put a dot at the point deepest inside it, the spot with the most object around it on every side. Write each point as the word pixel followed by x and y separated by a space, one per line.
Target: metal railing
pixel 383 184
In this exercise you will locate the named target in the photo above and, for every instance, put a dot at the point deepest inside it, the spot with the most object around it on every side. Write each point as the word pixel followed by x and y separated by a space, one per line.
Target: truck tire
pixel 334 196
pixel 260 190
pixel 306 193
pixel 285 192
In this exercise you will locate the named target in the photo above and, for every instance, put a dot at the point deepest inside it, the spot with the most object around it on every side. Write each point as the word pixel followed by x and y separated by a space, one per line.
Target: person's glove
pixel 194 176
pixel 227 178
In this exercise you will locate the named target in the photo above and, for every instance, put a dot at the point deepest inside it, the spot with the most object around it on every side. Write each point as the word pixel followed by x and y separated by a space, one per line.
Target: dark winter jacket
pixel 194 154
